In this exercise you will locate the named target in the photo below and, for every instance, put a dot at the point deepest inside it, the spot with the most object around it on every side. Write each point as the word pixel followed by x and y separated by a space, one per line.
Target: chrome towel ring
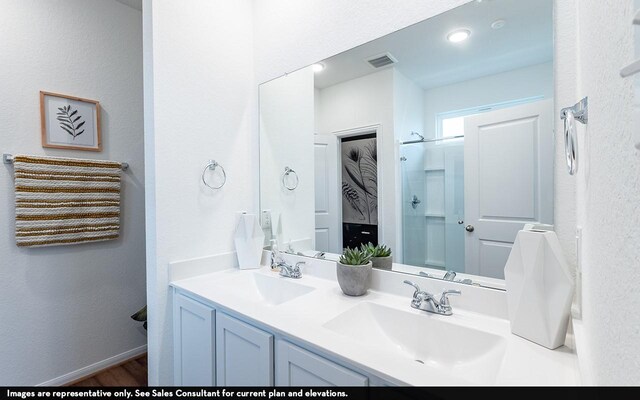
pixel 579 112
pixel 288 171
pixel 212 165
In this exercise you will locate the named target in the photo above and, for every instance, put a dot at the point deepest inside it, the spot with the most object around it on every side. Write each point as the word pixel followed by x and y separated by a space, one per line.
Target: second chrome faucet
pixel 427 302
pixel 286 270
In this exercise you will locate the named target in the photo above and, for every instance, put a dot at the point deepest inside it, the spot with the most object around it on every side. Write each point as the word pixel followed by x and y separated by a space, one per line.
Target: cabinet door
pixel 193 342
pixel 244 353
pixel 298 367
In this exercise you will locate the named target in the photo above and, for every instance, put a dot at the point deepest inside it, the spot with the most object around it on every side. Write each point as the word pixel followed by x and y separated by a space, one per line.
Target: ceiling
pixel 137 4
pixel 426 56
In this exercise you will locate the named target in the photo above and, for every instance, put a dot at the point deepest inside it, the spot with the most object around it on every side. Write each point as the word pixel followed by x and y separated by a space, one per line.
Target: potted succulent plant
pixel 380 255
pixel 354 272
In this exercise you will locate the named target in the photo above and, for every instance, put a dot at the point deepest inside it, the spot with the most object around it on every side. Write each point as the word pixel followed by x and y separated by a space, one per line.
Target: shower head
pixel 418 135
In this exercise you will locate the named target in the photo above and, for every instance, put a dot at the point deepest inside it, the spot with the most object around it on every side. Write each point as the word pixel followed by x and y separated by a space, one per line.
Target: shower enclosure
pixel 433 203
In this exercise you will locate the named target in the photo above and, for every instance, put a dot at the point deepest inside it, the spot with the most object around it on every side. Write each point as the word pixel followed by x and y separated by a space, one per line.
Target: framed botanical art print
pixel 70 122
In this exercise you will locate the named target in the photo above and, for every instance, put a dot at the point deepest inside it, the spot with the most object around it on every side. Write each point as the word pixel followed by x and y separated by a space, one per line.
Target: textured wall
pixel 200 104
pixel 608 194
pixel 66 307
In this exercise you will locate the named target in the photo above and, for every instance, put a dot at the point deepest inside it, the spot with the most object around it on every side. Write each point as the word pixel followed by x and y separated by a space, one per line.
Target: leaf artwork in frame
pixel 69 121
pixel 360 180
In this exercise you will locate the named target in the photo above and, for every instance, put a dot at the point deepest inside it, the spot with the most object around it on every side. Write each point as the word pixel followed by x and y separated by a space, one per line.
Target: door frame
pixel 358 131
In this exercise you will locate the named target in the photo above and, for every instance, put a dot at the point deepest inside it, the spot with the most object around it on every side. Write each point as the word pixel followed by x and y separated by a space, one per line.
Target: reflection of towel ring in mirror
pixel 212 165
pixel 287 172
pixel 579 112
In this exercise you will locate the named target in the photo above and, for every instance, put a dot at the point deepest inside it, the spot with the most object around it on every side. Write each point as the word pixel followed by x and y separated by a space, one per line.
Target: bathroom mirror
pixel 435 140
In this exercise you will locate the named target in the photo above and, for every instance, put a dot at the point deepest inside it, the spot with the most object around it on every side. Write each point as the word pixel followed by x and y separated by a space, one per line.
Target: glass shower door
pixel 433 204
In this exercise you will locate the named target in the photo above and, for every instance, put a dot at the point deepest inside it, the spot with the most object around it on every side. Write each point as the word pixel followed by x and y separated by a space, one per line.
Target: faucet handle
pixel 444 299
pixel 414 285
pixel 299 263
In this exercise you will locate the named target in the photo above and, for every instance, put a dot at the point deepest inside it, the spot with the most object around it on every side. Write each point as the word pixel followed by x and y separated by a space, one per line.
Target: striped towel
pixel 63 201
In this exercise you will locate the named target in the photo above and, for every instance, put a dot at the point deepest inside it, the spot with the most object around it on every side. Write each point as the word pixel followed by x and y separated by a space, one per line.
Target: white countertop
pixel 303 319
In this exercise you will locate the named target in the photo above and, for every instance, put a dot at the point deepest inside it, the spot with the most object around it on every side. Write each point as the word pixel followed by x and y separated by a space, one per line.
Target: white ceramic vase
pixel 539 288
pixel 249 241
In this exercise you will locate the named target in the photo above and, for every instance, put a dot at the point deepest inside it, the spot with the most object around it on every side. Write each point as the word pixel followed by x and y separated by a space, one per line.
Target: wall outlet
pixel 265 220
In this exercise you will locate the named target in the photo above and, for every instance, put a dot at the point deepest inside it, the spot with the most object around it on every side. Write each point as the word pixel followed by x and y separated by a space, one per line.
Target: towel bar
pixel 8 159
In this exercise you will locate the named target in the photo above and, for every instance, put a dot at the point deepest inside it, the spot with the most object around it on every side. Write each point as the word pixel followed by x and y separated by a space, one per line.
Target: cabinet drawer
pixel 298 367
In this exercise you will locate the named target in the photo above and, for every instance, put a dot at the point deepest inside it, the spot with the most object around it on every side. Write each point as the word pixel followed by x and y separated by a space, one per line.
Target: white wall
pixel 200 104
pixel 64 308
pixel 286 139
pixel 608 193
pixel 536 80
pixel 364 102
pixel 408 107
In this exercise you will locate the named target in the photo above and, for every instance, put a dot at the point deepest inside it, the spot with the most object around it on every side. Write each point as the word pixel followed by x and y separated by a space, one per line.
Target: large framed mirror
pixel 436 140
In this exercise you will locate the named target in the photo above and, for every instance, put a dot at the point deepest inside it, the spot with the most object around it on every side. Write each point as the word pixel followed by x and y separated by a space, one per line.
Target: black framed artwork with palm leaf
pixel 359 188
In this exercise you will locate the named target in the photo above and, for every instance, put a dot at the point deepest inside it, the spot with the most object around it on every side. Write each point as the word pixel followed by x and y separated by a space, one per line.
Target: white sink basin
pixel 424 338
pixel 271 290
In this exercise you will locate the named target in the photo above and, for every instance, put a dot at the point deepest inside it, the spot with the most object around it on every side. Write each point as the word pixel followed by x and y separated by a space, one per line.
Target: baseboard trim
pixel 92 369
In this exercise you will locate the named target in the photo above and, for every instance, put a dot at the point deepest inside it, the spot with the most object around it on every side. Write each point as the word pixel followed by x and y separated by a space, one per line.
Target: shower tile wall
pixel 432 236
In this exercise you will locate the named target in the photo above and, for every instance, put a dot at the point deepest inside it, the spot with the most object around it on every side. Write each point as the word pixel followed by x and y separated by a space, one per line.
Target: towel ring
pixel 212 165
pixel 579 112
pixel 570 143
pixel 287 172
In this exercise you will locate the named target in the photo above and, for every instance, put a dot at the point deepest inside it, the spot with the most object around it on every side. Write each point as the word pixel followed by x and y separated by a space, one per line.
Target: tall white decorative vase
pixel 539 288
pixel 249 241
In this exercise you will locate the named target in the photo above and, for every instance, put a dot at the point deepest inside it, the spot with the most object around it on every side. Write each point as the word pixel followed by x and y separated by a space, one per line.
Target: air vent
pixel 381 61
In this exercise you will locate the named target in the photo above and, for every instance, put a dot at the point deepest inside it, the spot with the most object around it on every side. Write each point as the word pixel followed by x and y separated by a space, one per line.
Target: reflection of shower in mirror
pixel 415 201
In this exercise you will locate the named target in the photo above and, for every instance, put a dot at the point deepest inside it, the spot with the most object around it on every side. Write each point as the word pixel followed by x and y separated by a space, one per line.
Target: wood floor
pixel 131 373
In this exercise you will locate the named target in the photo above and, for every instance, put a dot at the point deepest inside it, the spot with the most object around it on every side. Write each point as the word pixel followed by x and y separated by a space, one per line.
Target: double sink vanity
pixel 435 141
pixel 255 327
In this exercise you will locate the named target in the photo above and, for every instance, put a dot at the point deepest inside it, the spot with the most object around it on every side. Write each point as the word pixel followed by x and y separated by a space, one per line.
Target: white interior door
pixel 508 175
pixel 326 194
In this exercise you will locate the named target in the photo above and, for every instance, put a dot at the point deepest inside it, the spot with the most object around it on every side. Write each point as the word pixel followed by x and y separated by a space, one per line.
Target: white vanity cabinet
pixel 194 351
pixel 212 348
pixel 244 354
pixel 298 367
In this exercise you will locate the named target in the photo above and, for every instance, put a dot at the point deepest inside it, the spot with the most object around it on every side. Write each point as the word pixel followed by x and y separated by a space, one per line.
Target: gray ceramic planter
pixel 354 280
pixel 382 262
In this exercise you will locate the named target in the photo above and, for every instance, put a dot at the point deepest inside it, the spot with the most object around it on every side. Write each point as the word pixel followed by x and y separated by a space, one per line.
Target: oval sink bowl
pixel 263 288
pixel 423 338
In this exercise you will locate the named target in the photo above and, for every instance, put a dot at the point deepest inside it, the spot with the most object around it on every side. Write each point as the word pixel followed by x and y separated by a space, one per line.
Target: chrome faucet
pixel 289 271
pixel 449 275
pixel 427 302
pixel 286 270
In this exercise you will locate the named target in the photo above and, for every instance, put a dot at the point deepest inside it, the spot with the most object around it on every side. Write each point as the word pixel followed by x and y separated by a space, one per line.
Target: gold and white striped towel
pixel 63 201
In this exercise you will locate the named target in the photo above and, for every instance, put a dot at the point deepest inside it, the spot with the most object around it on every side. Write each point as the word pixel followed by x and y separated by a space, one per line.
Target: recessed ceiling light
pixel 498 24
pixel 318 67
pixel 458 35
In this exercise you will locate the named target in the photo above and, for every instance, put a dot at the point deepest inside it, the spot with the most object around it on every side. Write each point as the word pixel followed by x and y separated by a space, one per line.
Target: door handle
pixel 469 228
